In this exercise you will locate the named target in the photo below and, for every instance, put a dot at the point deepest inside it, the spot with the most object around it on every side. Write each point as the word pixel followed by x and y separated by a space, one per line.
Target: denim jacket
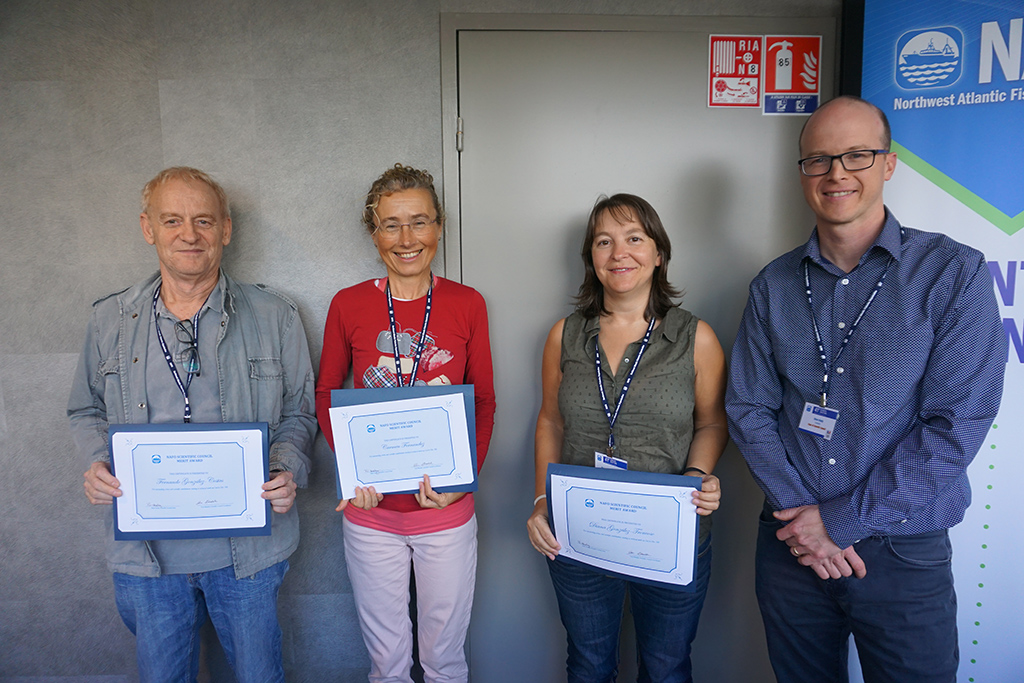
pixel 265 375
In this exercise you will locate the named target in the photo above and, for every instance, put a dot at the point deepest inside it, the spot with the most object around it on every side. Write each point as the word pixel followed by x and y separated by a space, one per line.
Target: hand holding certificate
pixel 637 525
pixel 390 438
pixel 190 480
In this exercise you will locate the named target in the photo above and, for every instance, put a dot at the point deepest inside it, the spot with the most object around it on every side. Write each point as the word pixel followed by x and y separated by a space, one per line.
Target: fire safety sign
pixel 734 71
pixel 792 78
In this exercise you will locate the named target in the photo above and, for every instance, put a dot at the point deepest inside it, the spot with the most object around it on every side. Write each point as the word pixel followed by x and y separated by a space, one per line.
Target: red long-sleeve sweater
pixel 458 352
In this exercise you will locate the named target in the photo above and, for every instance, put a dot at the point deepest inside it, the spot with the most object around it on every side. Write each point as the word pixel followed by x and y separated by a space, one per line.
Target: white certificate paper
pixel 637 525
pixel 190 481
pixel 391 445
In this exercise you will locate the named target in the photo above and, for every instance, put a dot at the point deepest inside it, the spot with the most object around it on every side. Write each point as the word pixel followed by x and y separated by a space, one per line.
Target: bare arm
pixel 547 442
pixel 710 430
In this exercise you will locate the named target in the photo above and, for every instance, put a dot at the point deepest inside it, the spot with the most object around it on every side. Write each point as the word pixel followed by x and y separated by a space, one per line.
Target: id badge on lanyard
pixel 603 461
pixel 817 418
pixel 608 460
pixel 182 385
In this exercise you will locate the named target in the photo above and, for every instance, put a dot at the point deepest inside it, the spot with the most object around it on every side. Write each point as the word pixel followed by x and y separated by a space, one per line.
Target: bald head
pixel 841 111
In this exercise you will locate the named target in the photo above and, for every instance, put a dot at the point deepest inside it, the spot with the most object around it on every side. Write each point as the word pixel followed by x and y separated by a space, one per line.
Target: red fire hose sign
pixel 734 71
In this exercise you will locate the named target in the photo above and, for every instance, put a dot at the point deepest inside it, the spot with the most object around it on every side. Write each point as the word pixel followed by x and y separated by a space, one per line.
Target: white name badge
pixel 609 462
pixel 818 420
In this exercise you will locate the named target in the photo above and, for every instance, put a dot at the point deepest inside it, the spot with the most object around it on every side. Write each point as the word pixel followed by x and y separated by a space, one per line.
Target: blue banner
pixel 940 69
pixel 948 74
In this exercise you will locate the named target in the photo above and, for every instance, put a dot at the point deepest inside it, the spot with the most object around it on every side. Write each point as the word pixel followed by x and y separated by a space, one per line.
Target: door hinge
pixel 458 135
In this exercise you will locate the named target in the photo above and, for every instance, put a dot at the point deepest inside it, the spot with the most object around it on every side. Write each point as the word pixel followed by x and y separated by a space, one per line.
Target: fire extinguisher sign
pixel 734 71
pixel 792 78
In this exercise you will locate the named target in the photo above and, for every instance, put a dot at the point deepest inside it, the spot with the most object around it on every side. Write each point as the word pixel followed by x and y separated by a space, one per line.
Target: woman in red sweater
pixel 436 531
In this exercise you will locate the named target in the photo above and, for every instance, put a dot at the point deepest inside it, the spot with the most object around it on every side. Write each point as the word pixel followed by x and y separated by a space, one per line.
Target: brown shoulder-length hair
pixel 623 208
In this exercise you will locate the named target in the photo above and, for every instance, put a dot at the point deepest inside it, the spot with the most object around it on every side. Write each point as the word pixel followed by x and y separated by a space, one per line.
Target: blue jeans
pixel 165 613
pixel 590 604
pixel 902 614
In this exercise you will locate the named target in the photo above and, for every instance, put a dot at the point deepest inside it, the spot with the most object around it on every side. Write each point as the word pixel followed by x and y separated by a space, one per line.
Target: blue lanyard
pixel 182 386
pixel 612 417
pixel 423 335
pixel 849 333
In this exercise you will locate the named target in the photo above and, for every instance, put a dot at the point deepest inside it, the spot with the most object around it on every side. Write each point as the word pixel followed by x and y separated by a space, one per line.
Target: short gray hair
pixel 187 174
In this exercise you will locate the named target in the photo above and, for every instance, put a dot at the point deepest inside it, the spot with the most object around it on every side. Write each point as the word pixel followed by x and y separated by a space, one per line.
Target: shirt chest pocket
pixel 266 379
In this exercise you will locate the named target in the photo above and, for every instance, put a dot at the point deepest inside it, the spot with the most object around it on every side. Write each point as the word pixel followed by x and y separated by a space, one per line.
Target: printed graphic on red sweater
pixel 383 374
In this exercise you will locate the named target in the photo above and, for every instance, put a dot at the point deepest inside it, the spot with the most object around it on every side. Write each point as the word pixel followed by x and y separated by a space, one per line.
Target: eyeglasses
pixel 419 227
pixel 857 160
pixel 189 358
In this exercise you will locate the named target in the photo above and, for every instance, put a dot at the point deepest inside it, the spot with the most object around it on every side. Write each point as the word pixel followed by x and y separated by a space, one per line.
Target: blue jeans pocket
pixel 767 519
pixel 922 550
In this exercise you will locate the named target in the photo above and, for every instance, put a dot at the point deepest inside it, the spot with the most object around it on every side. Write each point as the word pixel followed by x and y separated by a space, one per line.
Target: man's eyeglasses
pixel 419 227
pixel 186 335
pixel 857 160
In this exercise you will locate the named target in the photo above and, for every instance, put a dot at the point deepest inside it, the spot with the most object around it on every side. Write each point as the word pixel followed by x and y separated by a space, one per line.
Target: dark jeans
pixel 590 604
pixel 166 612
pixel 902 614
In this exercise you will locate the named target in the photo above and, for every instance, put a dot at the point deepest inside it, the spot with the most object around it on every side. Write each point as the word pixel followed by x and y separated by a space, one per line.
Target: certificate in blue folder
pixel 389 438
pixel 190 480
pixel 639 526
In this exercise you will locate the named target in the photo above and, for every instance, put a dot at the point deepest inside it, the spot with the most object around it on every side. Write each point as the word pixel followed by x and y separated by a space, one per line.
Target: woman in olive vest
pixel 659 408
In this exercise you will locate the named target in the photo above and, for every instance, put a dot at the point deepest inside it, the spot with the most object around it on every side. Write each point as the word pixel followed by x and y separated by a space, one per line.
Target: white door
pixel 551 120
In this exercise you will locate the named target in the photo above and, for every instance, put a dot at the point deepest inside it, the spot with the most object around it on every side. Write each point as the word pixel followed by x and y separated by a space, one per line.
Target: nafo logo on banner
pixel 921 64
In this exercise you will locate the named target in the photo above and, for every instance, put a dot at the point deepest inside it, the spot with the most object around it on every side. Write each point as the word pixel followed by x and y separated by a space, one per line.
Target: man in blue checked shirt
pixel 865 375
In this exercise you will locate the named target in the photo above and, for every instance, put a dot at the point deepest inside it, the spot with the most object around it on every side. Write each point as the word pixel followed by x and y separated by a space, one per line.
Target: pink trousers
pixel 445 566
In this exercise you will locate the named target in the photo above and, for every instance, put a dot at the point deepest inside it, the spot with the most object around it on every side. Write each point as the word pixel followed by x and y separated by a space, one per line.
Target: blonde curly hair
pixel 396 179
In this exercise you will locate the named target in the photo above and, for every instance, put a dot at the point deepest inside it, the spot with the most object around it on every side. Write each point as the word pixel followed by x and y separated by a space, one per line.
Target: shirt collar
pixel 889 240
pixel 382 284
pixel 214 302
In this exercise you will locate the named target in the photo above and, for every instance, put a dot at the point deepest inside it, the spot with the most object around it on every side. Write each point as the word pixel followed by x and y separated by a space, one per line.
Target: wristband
pixel 695 469
pixel 539 498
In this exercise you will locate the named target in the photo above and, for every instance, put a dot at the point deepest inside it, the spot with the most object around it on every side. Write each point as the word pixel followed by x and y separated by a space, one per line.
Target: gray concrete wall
pixel 295 107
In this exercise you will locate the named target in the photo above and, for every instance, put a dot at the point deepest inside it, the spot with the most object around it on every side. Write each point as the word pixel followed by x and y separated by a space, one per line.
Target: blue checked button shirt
pixel 917 387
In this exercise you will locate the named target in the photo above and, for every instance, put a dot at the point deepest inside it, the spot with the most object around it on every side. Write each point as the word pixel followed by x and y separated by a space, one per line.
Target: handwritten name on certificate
pixel 637 525
pixel 182 481
pixel 391 445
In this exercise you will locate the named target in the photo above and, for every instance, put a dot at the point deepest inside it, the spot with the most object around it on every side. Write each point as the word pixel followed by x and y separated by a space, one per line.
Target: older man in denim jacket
pixel 191 344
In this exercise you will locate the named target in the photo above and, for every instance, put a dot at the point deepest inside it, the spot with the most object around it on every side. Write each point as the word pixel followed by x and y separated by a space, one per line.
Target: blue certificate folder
pixel 355 397
pixel 665 539
pixel 232 517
